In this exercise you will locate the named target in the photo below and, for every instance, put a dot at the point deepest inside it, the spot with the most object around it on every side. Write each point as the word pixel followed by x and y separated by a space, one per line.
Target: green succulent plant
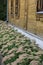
pixel 19 45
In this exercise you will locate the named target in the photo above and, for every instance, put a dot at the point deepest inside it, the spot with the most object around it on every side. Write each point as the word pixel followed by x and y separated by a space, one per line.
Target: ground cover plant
pixel 17 49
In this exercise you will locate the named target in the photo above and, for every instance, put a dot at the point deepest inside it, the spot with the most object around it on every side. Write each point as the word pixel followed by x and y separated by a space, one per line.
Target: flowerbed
pixel 17 49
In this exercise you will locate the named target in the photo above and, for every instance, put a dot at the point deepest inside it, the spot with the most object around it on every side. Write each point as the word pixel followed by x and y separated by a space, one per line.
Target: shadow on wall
pixel 3 9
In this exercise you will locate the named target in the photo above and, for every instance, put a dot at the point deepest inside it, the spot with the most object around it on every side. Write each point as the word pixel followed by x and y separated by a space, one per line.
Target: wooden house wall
pixel 29 19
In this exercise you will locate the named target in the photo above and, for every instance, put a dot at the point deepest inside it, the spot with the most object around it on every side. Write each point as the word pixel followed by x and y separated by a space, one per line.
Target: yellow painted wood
pixel 28 19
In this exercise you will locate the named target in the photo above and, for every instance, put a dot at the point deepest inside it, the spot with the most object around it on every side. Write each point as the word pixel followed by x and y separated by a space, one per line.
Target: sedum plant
pixel 22 48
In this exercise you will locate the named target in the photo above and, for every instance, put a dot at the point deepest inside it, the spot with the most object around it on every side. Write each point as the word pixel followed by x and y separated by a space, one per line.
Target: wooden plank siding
pixel 29 19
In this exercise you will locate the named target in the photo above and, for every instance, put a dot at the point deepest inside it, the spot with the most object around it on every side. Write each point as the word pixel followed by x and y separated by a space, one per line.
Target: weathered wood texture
pixel 28 19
